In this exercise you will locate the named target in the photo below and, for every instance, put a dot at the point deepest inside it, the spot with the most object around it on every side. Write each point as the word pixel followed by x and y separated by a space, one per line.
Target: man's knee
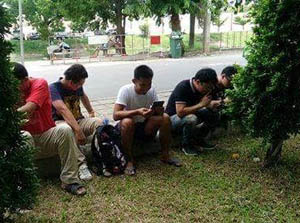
pixel 127 124
pixel 166 117
pixel 156 121
pixel 190 120
pixel 64 129
pixel 96 122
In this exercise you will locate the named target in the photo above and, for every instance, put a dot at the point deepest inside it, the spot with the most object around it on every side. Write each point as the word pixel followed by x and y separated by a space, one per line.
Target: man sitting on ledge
pixel 138 120
pixel 66 94
pixel 42 132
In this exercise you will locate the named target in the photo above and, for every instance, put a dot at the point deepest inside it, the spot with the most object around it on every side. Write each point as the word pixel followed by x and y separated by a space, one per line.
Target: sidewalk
pixel 104 107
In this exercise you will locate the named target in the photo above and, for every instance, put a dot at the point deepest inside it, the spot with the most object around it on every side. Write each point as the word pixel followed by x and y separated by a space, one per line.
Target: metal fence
pixel 233 40
pixel 130 47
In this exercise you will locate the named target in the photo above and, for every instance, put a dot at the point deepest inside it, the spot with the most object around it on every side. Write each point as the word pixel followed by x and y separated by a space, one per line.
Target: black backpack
pixel 108 156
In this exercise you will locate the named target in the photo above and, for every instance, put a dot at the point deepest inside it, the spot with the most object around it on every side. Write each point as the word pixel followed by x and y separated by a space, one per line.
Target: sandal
pixel 172 162
pixel 75 189
pixel 130 171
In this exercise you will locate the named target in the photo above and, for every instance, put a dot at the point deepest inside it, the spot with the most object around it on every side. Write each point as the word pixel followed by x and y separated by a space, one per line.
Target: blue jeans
pixel 187 126
pixel 209 117
pixel 184 126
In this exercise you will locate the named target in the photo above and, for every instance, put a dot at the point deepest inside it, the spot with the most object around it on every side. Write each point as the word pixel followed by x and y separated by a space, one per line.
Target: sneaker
pixel 84 173
pixel 189 150
pixel 205 145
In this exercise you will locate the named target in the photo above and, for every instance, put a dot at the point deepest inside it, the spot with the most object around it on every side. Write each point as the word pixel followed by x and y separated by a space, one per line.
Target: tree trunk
pixel 206 29
pixel 273 153
pixel 175 22
pixel 119 24
pixel 175 26
pixel 192 31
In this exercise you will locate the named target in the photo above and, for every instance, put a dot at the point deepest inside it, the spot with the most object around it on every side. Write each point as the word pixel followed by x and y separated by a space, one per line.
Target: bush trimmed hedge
pixel 18 177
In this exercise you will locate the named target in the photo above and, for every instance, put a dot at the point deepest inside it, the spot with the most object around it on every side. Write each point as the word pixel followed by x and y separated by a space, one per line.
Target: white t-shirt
pixel 131 100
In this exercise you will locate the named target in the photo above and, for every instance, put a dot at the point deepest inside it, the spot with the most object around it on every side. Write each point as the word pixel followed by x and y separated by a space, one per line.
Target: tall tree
pixel 242 21
pixel 201 11
pixel 44 15
pixel 219 22
pixel 18 181
pixel 265 99
pixel 195 10
pixel 98 13
pixel 192 30
pixel 173 8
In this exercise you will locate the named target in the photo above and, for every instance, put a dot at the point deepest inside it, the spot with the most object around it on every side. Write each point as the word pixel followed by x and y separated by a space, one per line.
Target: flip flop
pixel 74 189
pixel 173 162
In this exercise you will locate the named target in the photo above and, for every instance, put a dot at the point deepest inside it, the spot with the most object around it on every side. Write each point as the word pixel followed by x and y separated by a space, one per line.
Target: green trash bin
pixel 175 44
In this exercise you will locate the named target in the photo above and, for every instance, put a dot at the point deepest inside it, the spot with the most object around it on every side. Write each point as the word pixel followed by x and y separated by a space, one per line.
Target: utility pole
pixel 206 30
pixel 21 31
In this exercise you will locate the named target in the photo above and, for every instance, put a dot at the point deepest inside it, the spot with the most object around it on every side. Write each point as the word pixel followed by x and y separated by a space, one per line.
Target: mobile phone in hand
pixel 157 104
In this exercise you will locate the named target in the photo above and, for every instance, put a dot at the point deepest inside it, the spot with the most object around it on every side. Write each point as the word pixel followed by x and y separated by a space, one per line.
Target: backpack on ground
pixel 107 152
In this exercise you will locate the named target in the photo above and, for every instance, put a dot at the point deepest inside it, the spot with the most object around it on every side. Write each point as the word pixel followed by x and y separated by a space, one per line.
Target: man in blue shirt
pixel 66 94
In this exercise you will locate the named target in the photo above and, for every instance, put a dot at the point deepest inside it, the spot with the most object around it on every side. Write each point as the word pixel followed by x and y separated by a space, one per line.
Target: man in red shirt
pixel 42 131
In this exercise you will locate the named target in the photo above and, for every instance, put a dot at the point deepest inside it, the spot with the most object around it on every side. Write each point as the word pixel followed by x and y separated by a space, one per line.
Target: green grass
pixel 37 49
pixel 210 188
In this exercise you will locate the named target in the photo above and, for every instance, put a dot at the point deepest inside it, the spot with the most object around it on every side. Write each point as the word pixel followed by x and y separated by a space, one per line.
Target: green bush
pixel 18 181
pixel 266 95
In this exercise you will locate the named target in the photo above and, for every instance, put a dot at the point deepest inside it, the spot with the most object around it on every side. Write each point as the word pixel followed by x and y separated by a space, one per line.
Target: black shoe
pixel 189 150
pixel 206 145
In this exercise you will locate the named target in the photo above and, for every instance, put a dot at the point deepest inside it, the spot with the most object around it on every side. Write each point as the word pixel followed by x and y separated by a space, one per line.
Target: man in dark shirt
pixel 188 97
pixel 214 116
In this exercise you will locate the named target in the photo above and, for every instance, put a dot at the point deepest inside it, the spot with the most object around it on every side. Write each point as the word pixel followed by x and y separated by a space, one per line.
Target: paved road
pixel 105 78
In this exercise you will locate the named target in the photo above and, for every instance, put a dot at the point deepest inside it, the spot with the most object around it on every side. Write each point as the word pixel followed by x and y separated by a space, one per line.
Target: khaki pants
pixel 88 126
pixel 59 140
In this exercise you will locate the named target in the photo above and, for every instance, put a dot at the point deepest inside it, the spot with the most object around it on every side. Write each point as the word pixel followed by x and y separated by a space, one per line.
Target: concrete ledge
pixel 50 167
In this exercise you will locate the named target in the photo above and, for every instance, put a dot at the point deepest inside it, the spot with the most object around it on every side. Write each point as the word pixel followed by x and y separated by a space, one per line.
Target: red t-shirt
pixel 41 119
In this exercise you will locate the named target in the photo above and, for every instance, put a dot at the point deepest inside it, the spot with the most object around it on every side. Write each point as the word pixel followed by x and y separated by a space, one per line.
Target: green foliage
pixel 18 181
pixel 144 30
pixel 96 14
pixel 44 15
pixel 168 7
pixel 266 98
pixel 159 9
pixel 216 8
pixel 241 21
pixel 219 22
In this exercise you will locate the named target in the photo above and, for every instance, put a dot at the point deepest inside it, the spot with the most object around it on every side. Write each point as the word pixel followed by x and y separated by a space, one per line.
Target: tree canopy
pixel 266 98
pixel 44 15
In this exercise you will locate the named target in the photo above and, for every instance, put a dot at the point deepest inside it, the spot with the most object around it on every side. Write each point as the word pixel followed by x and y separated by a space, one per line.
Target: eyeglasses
pixel 228 78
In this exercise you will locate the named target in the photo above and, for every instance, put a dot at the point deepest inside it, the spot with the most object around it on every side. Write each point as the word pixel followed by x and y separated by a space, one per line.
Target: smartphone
pixel 157 104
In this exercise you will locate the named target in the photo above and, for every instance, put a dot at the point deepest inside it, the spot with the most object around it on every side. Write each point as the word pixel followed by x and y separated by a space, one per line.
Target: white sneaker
pixel 84 173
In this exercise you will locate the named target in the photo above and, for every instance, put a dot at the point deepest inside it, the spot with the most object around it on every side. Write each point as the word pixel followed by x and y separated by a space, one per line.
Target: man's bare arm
pixel 182 110
pixel 29 107
pixel 121 113
pixel 69 118
pixel 87 104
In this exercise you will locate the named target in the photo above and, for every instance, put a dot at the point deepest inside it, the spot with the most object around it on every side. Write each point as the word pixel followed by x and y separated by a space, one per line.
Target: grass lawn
pixel 213 187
